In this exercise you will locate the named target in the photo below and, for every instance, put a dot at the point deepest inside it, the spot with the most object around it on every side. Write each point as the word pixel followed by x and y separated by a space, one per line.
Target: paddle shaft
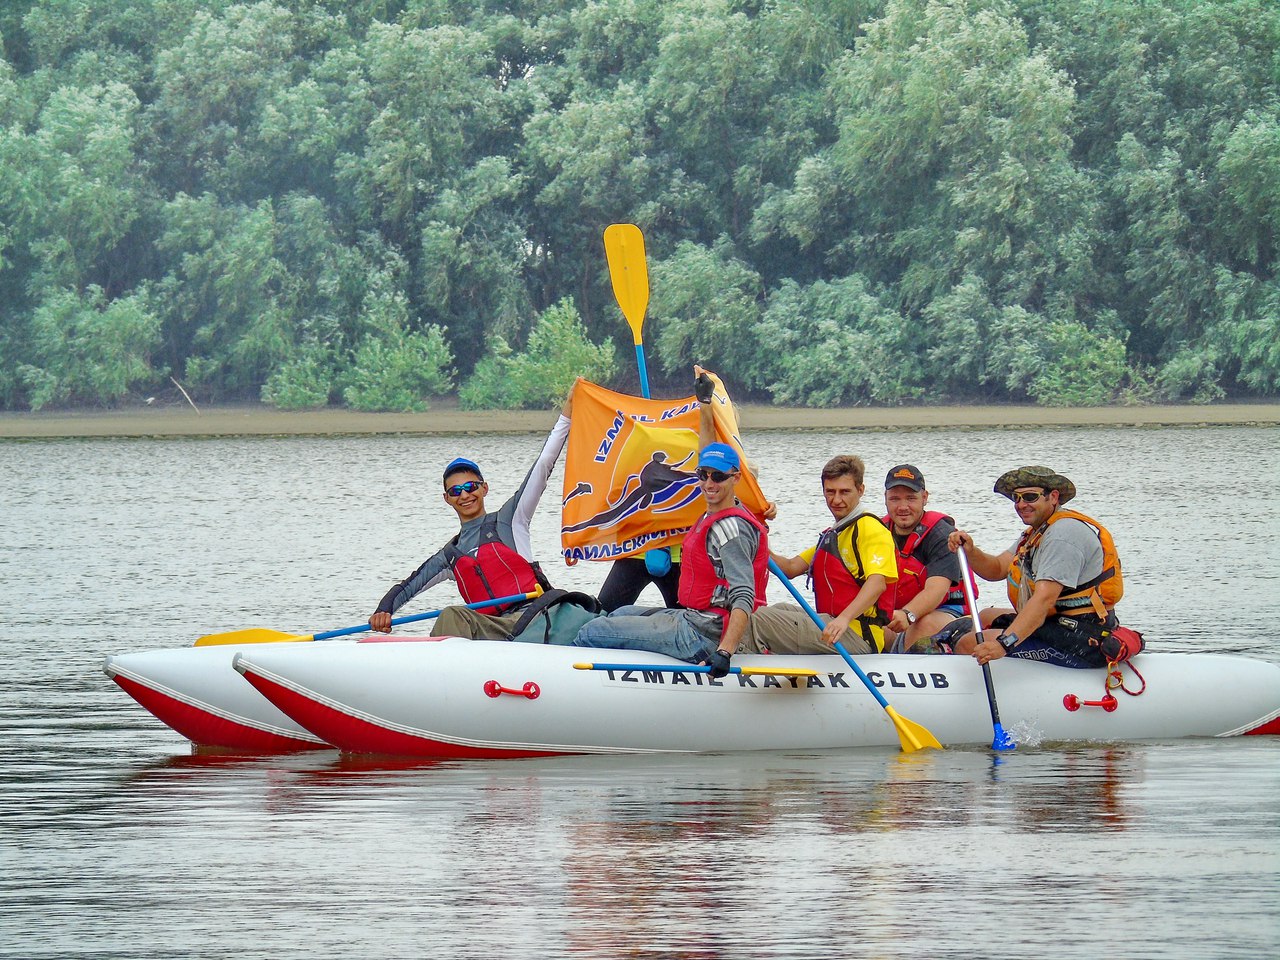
pixel 911 735
pixel 429 615
pixel 1000 739
pixel 813 615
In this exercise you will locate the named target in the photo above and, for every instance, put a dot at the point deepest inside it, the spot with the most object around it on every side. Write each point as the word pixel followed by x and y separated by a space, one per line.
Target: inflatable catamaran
pixel 471 699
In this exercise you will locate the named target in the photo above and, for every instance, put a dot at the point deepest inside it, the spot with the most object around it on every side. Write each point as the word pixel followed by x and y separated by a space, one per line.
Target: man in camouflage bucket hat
pixel 1033 477
pixel 1063 578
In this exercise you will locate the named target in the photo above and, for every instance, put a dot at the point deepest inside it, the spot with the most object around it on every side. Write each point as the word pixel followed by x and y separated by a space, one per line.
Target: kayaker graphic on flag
pixel 629 481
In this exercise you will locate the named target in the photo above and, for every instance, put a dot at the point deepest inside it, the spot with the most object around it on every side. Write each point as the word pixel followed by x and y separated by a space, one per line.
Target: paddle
pixel 690 668
pixel 624 249
pixel 1000 740
pixel 259 635
pixel 911 735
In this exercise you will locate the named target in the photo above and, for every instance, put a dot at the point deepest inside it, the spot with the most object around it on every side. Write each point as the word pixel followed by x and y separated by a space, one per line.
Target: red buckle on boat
pixel 493 688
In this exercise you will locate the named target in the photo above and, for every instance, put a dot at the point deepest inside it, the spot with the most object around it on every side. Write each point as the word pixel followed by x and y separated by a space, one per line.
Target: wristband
pixel 1008 640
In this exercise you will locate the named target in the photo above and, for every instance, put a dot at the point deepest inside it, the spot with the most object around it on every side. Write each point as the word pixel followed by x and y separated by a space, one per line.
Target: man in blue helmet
pixel 490 556
pixel 723 574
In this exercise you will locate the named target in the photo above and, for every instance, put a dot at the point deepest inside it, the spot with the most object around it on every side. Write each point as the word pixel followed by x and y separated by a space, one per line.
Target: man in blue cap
pixel 723 574
pixel 490 556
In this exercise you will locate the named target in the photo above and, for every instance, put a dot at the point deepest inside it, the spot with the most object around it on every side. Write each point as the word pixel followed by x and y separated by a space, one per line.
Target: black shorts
pixel 1065 641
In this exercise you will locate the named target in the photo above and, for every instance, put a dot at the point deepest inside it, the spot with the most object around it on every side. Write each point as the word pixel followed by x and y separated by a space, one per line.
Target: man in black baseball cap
pixel 929 594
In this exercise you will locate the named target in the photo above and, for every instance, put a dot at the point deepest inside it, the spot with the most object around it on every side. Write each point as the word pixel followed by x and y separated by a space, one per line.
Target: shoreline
pixel 446 419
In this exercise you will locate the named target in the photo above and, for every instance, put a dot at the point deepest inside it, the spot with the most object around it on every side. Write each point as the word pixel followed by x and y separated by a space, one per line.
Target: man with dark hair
pixel 723 574
pixel 1063 574
pixel 853 571
pixel 490 556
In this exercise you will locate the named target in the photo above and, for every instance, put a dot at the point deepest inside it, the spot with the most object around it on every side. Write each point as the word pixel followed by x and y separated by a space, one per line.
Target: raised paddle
pixel 690 668
pixel 911 735
pixel 1000 740
pixel 624 249
pixel 260 635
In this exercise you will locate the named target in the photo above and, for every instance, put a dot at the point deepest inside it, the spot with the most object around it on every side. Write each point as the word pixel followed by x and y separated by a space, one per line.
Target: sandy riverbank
pixel 258 420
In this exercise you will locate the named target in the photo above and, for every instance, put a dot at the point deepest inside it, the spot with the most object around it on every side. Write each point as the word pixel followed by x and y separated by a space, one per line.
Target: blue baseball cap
pixel 458 464
pixel 719 456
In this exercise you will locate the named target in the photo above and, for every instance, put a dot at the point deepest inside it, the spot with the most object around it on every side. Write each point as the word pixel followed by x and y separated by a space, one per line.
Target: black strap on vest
pixel 866 621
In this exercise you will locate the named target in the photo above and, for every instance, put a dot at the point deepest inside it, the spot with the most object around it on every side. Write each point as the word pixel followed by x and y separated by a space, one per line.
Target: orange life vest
pixel 1103 591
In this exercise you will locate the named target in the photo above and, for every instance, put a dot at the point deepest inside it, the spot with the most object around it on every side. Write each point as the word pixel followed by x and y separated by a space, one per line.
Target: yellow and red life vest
pixel 835 586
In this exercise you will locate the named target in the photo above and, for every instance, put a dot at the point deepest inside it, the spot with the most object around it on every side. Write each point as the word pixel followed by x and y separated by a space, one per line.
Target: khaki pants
pixel 785 628
pixel 461 622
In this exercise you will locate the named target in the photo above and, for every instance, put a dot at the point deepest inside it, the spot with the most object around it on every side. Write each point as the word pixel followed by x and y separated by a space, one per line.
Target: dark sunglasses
pixel 458 489
pixel 1028 497
pixel 715 476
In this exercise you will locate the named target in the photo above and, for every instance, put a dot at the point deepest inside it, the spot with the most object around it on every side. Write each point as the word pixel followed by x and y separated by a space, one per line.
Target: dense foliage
pixel 372 202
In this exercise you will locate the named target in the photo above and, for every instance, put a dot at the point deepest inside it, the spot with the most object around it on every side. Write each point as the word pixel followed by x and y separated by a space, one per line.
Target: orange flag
pixel 629 481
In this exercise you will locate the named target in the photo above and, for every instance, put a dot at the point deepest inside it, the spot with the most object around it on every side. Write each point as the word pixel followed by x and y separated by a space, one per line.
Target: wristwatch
pixel 1008 640
pixel 911 617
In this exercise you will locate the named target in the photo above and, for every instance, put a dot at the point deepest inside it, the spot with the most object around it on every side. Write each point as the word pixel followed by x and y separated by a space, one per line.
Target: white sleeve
pixel 525 500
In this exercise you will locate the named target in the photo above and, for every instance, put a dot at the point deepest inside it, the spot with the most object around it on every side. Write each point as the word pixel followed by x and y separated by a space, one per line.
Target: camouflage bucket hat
pixel 1035 477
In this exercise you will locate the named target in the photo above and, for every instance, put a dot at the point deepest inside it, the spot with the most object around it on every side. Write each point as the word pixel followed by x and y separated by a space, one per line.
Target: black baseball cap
pixel 905 475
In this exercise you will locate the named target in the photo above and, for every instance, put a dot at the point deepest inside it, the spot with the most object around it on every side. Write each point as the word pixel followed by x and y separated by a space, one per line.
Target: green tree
pixel 540 375
pixel 706 309
pixel 85 349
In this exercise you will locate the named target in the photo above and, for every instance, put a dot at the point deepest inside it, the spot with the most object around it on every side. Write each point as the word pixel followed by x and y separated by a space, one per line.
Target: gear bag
pixel 1121 643
pixel 555 617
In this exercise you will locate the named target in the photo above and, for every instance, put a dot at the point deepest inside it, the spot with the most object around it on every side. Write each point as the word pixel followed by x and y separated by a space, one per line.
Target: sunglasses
pixel 458 489
pixel 1028 497
pixel 715 476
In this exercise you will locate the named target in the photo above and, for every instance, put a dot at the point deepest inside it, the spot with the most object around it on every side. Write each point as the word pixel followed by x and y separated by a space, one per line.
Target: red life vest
pixel 911 572
pixel 493 570
pixel 700 585
pixel 835 586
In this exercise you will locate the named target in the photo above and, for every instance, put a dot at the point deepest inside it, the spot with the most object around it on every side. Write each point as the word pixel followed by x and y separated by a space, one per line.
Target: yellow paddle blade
pixel 624 249
pixel 912 735
pixel 777 672
pixel 254 635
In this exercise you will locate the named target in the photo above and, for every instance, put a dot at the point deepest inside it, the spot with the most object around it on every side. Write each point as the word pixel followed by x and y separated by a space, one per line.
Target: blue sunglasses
pixel 458 489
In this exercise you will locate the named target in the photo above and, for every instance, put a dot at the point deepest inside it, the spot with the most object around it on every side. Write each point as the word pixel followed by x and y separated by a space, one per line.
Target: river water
pixel 118 842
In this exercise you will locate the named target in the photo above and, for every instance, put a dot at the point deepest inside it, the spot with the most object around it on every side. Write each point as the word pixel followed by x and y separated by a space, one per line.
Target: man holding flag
pixel 723 576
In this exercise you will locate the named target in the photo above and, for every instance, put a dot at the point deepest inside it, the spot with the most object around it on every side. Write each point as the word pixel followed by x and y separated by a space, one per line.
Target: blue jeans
pixel 657 629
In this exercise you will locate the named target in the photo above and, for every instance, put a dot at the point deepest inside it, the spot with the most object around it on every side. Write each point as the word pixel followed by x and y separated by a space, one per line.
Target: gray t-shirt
pixel 1069 553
